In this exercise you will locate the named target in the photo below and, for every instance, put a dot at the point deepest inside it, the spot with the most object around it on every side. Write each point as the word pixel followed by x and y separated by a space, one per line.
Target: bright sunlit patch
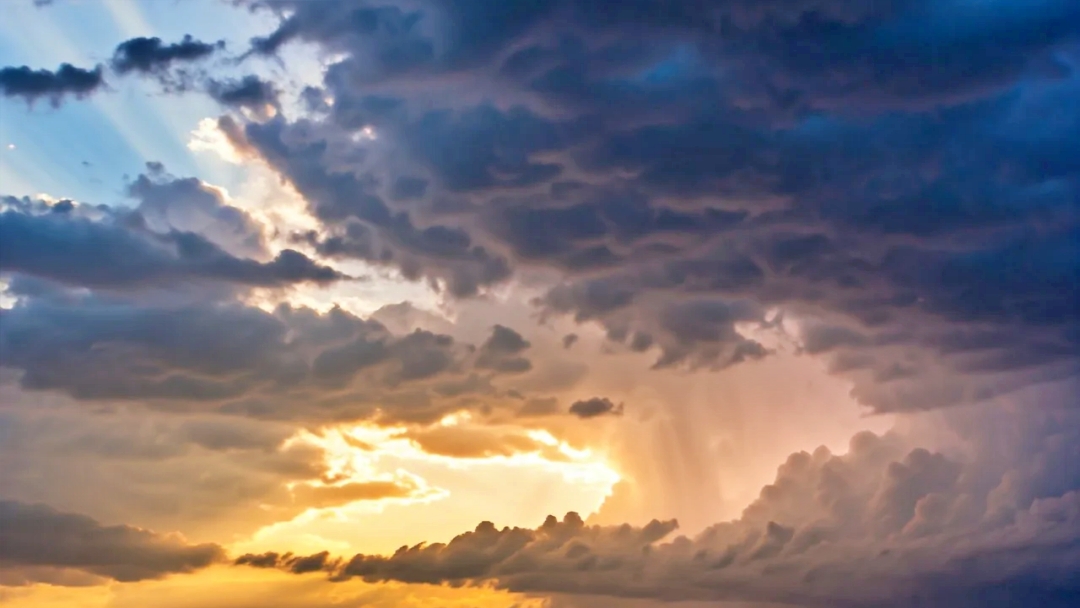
pixel 462 471
pixel 367 133
pixel 774 333
pixel 231 587
pixel 207 137
pixel 6 299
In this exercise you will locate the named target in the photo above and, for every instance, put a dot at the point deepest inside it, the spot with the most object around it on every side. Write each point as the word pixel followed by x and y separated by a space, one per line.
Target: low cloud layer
pixel 882 525
pixel 292 363
pixel 117 250
pixel 36 536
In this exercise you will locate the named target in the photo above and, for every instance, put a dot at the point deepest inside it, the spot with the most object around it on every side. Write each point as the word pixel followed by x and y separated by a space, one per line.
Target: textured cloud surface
pixel 38 536
pixel 911 526
pixel 689 168
pixel 469 259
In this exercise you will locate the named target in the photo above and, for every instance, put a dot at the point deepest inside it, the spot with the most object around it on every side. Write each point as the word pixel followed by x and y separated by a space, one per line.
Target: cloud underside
pixel 886 179
pixel 687 174
pixel 36 540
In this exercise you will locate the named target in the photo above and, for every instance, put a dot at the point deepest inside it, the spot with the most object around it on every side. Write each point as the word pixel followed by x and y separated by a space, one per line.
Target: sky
pixel 540 304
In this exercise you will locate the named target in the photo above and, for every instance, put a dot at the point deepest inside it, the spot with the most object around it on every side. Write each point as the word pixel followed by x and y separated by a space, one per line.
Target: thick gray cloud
pixel 596 406
pixel 690 167
pixel 292 363
pixel 187 204
pixel 37 536
pixel 120 250
pixel 988 521
pixel 249 92
pixel 67 80
pixel 502 351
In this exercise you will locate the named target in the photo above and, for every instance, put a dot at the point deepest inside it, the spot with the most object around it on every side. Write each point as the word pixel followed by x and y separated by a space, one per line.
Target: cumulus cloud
pixel 37 536
pixel 168 203
pixel 67 80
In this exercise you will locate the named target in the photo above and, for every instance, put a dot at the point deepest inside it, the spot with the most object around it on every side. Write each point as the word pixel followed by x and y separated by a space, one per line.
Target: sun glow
pixel 444 471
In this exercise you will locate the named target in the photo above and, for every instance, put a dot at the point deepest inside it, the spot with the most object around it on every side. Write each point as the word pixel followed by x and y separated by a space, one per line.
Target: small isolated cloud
pixel 596 406
pixel 149 55
pixel 67 80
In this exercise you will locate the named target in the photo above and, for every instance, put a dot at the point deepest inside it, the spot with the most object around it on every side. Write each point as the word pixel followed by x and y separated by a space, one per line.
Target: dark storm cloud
pixel 248 92
pixel 38 536
pixel 292 363
pixel 67 80
pixel 597 406
pixel 866 165
pixel 360 223
pixel 296 564
pixel 121 253
pixel 884 525
pixel 149 55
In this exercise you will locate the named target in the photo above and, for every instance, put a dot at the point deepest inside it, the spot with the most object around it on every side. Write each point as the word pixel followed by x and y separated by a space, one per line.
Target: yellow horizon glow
pixel 553 477
pixel 242 587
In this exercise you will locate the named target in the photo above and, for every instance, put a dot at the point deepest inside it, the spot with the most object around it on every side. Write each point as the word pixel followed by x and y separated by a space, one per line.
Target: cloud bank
pixel 882 525
pixel 36 537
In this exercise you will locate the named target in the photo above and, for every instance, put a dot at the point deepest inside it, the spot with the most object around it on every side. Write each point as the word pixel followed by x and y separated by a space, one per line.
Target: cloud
pixel 597 406
pixel 287 561
pixel 151 55
pixel 211 353
pixel 120 252
pixel 249 92
pixel 883 525
pixel 687 176
pixel 168 203
pixel 35 536
pixel 228 476
pixel 501 351
pixel 360 225
pixel 67 80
